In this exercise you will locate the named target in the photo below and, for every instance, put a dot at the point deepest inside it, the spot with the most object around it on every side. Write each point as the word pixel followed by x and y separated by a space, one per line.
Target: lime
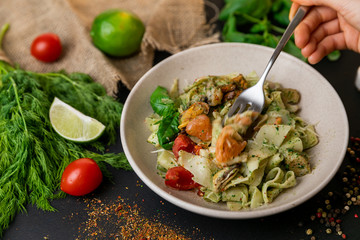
pixel 117 32
pixel 72 124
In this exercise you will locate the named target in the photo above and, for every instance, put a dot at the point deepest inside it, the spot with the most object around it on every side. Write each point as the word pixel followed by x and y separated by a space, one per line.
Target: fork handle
pixel 301 12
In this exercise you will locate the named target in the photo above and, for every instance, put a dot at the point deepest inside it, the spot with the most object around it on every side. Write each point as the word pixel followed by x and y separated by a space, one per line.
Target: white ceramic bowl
pixel 320 105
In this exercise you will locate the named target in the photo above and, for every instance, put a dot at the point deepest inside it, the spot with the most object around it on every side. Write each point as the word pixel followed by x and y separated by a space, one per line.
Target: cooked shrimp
pixel 200 127
pixel 246 118
pixel 229 145
pixel 192 112
pixel 241 122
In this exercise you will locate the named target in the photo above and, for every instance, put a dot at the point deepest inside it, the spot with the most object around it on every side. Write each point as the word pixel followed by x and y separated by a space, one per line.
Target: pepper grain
pixel 119 220
pixel 337 203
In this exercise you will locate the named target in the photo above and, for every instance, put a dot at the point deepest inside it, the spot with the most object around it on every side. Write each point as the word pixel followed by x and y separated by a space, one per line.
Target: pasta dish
pixel 246 160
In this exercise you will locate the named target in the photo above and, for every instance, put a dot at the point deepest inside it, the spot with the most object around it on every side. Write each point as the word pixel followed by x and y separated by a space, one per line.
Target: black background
pixel 64 224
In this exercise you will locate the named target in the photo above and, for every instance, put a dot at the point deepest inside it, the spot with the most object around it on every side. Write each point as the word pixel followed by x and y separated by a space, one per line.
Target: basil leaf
pixel 168 130
pixel 230 8
pixel 271 40
pixel 261 9
pixel 280 12
pixel 260 27
pixel 230 33
pixel 168 146
pixel 161 102
pixel 282 17
pixel 254 8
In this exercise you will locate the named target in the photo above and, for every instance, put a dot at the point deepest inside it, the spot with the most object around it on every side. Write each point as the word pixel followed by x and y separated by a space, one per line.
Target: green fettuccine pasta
pixel 250 160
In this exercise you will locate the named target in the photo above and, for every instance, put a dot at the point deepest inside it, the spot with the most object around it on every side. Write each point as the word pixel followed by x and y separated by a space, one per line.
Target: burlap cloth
pixel 171 25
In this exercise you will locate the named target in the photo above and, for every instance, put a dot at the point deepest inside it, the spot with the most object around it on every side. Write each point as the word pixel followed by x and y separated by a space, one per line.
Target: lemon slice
pixel 73 124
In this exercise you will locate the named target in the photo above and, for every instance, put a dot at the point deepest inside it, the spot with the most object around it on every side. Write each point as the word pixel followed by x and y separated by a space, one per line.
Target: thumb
pixel 293 10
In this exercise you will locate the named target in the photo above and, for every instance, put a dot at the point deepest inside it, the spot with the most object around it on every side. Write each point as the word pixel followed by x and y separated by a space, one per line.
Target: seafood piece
pixel 229 145
pixel 231 95
pixel 297 162
pixel 241 122
pixel 200 127
pixel 246 118
pixel 290 96
pixel 240 81
pixel 234 88
pixel 222 177
pixel 214 96
pixel 193 111
pixel 228 88
pixel 278 120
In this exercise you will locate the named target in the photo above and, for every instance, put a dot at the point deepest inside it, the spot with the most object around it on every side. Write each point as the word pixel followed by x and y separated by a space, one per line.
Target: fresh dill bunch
pixel 30 152
pixel 32 155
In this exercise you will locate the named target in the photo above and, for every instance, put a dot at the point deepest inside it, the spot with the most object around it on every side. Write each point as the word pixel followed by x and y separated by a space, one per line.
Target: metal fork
pixel 253 97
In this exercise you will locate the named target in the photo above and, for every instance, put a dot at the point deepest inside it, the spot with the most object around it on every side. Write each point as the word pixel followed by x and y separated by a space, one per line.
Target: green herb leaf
pixel 259 27
pixel 168 130
pixel 161 102
pixel 230 34
pixel 271 40
pixel 254 8
pixel 280 12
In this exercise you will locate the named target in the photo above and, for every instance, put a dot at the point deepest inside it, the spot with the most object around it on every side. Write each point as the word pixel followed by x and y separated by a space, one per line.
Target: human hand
pixel 329 25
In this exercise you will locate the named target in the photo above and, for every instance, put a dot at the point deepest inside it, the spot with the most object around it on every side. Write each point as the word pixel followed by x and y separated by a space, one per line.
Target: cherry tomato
pixel 81 177
pixel 180 178
pixel 182 142
pixel 46 47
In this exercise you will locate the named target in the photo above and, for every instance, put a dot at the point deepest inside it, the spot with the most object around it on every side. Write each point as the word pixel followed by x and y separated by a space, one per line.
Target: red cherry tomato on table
pixel 183 142
pixel 81 177
pixel 180 178
pixel 46 47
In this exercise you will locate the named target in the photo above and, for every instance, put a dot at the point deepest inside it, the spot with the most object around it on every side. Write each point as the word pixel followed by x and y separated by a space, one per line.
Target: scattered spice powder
pixel 338 203
pixel 121 221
